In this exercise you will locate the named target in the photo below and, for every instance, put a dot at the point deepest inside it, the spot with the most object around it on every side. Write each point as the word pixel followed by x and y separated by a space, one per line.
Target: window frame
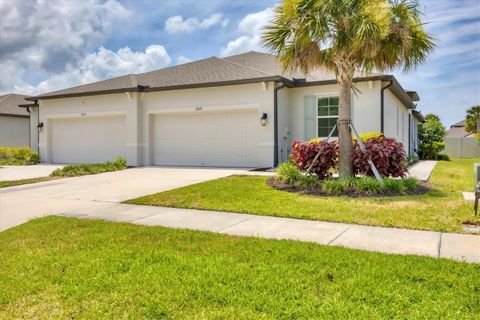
pixel 317 117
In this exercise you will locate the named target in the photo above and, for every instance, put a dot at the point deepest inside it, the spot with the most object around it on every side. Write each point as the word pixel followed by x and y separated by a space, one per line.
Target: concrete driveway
pixel 19 204
pixel 9 173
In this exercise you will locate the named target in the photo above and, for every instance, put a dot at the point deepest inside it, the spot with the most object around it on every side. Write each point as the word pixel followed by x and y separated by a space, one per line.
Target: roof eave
pixel 164 88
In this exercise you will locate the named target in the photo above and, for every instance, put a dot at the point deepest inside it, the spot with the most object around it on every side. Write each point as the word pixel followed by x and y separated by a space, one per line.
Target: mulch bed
pixel 276 183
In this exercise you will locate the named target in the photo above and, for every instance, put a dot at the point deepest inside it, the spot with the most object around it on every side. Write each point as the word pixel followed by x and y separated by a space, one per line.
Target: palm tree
pixel 473 120
pixel 344 36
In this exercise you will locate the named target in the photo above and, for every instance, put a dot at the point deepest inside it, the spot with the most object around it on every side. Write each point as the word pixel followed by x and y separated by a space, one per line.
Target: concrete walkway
pixel 9 173
pixel 22 203
pixel 422 170
pixel 389 240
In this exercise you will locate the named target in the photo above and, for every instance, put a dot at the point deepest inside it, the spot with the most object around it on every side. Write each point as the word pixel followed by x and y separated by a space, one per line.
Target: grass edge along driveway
pixel 441 209
pixel 61 268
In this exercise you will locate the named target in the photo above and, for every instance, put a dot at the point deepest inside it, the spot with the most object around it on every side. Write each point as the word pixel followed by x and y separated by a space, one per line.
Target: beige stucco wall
pixel 88 106
pixel 139 108
pixel 214 99
pixel 365 107
pixel 14 131
pixel 396 119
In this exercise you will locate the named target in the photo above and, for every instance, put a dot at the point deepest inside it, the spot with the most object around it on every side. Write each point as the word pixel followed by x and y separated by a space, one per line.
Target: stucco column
pixel 134 107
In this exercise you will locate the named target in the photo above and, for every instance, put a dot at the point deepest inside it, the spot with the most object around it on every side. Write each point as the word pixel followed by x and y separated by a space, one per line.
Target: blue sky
pixel 49 45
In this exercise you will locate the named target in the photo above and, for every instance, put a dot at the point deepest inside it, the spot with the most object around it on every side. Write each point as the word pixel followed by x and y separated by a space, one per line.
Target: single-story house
pixel 236 111
pixel 457 130
pixel 14 121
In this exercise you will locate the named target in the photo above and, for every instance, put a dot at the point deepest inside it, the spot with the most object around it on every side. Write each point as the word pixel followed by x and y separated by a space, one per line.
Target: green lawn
pixel 64 268
pixel 442 209
pixel 5 184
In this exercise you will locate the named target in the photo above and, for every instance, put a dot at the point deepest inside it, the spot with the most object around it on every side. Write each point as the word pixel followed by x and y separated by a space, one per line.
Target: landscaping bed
pixel 65 268
pixel 349 188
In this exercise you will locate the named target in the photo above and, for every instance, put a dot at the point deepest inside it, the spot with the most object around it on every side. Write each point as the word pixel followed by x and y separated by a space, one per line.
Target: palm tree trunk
pixel 344 132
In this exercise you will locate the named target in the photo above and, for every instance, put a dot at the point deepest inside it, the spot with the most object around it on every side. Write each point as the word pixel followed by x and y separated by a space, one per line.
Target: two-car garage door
pixel 214 138
pixel 225 139
pixel 87 139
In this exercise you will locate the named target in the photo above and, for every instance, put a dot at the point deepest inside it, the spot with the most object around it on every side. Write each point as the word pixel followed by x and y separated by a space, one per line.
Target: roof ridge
pixel 174 66
pixel 245 66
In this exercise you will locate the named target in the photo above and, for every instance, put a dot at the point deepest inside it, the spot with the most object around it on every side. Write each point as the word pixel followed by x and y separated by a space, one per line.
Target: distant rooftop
pixel 9 104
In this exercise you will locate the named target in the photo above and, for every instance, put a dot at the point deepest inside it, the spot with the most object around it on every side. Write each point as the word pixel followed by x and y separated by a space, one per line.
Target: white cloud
pixel 101 65
pixel 250 29
pixel 177 24
pixel 39 38
pixel 183 59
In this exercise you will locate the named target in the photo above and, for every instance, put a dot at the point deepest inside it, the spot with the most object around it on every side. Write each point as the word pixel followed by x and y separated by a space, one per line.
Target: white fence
pixel 462 147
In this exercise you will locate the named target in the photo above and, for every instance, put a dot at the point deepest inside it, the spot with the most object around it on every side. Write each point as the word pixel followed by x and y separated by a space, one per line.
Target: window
pixel 327 112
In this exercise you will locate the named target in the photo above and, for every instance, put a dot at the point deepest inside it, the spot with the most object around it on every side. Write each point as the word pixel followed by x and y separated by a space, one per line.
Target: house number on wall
pixel 83 114
pixel 198 108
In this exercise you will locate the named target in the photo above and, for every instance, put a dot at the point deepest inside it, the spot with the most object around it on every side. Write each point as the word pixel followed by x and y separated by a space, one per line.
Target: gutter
pixel 382 106
pixel 275 123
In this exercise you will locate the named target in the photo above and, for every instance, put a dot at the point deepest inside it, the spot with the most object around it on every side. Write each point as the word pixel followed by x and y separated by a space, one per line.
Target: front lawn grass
pixel 12 183
pixel 441 209
pixel 64 268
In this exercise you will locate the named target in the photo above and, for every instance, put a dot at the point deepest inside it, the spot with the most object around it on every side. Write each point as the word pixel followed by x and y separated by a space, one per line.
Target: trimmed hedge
pixel 82 169
pixel 18 156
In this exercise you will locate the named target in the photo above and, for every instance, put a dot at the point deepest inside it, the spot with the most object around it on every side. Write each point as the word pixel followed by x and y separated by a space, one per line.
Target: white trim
pixel 325 117
pixel 86 114
pixel 199 108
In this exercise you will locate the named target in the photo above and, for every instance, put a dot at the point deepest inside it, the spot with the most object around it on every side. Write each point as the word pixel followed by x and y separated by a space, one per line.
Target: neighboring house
pixel 237 111
pixel 460 143
pixel 457 130
pixel 14 121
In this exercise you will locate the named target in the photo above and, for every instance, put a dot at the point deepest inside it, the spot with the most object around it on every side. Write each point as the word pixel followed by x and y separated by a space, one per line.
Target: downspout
pixel 29 128
pixel 275 124
pixel 382 106
pixel 38 133
pixel 409 134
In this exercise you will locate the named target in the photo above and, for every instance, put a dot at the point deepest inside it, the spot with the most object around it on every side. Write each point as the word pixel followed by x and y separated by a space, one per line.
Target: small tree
pixel 344 36
pixel 431 134
pixel 473 120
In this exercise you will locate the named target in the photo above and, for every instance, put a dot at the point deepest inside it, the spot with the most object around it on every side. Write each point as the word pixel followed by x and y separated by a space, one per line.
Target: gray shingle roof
pixel 9 104
pixel 210 71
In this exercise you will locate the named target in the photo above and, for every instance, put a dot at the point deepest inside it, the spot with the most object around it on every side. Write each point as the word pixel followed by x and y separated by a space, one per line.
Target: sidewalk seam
pixel 338 236
pixel 233 224
pixel 440 245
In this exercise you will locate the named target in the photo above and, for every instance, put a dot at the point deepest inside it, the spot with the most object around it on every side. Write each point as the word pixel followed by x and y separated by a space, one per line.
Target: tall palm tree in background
pixel 473 120
pixel 343 36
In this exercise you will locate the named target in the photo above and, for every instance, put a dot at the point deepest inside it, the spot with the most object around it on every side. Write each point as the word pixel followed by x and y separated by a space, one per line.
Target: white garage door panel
pixel 79 140
pixel 228 139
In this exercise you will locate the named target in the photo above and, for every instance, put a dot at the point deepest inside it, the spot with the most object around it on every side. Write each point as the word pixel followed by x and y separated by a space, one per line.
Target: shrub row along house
pixel 237 111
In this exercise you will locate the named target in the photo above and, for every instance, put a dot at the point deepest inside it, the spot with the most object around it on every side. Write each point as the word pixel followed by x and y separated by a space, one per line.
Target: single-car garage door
pixel 223 139
pixel 87 139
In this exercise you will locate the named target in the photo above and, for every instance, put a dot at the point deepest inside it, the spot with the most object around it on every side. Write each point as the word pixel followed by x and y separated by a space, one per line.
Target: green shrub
pixel 443 157
pixel 369 135
pixel 307 182
pixel 367 185
pixel 16 156
pixel 336 186
pixel 393 185
pixel 288 172
pixel 410 183
pixel 82 169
